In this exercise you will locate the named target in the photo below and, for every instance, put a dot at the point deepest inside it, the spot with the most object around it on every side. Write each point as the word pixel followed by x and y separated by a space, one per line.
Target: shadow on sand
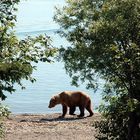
pixel 61 119
pixel 53 119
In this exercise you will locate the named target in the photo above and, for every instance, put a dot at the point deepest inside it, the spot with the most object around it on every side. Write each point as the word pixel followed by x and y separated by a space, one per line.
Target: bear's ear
pixel 54 98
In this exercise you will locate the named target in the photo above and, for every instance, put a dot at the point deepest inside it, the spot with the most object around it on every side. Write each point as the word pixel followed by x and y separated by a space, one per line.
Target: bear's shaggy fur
pixel 72 99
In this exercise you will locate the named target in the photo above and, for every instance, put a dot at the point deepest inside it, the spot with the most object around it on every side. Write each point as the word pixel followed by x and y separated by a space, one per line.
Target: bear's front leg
pixel 64 109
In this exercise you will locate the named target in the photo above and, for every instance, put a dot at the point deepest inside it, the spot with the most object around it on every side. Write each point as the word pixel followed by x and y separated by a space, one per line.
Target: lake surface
pixel 35 17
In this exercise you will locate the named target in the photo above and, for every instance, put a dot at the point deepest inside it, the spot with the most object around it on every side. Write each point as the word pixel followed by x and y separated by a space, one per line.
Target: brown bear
pixel 72 99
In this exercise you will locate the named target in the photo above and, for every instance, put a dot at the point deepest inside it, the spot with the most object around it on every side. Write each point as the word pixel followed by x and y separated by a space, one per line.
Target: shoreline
pixel 50 127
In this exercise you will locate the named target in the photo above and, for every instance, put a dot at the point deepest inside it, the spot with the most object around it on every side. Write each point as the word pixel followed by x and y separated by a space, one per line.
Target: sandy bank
pixel 50 127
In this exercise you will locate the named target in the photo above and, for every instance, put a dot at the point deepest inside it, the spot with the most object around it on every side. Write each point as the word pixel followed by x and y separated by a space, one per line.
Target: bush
pixel 116 121
pixel 4 113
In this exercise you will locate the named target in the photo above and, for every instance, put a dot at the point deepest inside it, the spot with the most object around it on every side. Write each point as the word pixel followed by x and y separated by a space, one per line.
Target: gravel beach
pixel 50 127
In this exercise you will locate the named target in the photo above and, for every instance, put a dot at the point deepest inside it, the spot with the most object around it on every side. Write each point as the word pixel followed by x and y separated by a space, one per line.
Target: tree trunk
pixel 133 124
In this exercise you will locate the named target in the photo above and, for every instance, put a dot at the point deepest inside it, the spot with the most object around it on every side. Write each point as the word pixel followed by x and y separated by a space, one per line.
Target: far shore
pixel 50 127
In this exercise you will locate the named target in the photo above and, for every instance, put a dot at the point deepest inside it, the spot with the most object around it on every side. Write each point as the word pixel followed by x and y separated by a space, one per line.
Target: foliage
pixel 105 43
pixel 114 125
pixel 18 57
pixel 4 113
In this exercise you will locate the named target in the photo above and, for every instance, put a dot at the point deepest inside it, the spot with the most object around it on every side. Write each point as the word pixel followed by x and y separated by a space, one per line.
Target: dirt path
pixel 50 127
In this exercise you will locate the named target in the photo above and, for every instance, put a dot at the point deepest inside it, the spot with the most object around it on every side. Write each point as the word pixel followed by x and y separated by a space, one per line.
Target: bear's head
pixel 54 101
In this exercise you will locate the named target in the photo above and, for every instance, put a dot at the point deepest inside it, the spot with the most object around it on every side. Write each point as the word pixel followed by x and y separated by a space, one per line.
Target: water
pixel 35 17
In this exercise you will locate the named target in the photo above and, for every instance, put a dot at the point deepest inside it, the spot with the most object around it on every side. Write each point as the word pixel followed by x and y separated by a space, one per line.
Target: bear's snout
pixel 51 106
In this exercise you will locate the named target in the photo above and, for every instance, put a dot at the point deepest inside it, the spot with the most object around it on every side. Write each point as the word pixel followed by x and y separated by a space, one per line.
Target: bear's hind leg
pixel 72 110
pixel 88 107
pixel 90 111
pixel 82 109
